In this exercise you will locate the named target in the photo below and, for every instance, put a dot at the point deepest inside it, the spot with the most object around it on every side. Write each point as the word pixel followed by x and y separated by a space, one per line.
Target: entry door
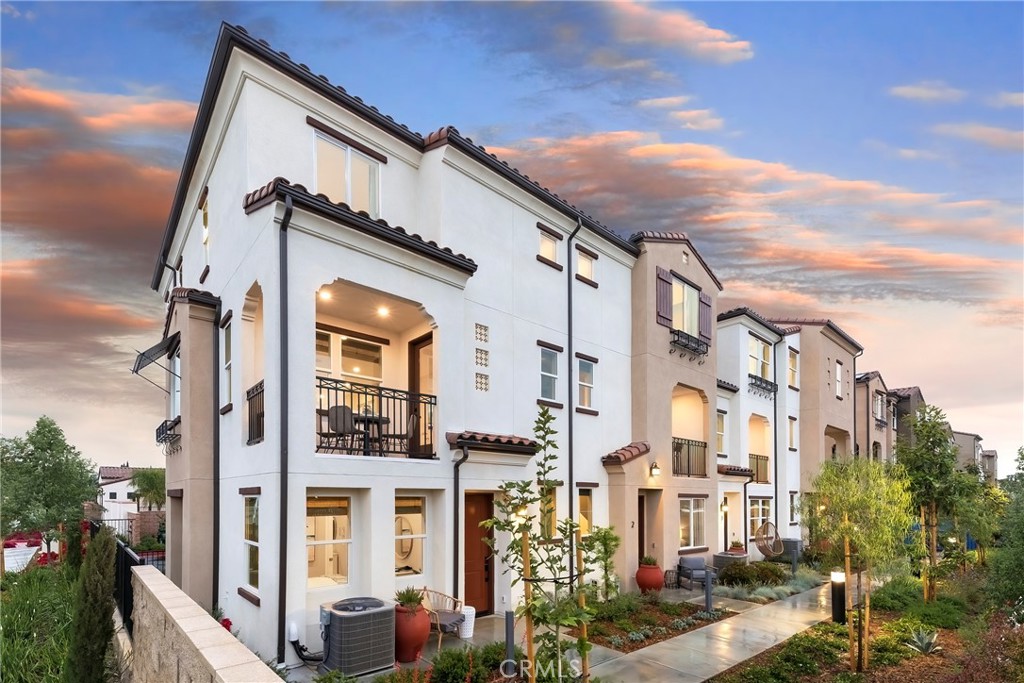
pixel 641 526
pixel 421 381
pixel 479 563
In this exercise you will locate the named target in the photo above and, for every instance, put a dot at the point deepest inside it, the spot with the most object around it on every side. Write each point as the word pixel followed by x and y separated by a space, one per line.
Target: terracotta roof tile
pixel 116 472
pixel 906 392
pixel 655 235
pixel 728 386
pixel 824 322
pixel 497 441
pixel 626 453
pixel 753 315
pixel 735 471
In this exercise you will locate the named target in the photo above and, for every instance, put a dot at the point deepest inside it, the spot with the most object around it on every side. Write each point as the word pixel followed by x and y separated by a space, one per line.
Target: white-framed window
pixel 794 506
pixel 251 539
pixel 879 406
pixel 175 393
pixel 549 512
pixel 586 379
pixel 410 535
pixel 548 247
pixel 794 360
pixel 324 355
pixel 548 374
pixel 348 176
pixel 760 512
pixel 328 540
pixel 839 379
pixel 586 511
pixel 691 522
pixel 720 433
pixel 227 364
pixel 792 432
pixel 759 363
pixel 585 265
pixel 344 357
pixel 894 419
pixel 685 307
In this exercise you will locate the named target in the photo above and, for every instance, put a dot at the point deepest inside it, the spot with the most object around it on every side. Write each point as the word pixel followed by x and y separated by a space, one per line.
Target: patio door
pixel 421 381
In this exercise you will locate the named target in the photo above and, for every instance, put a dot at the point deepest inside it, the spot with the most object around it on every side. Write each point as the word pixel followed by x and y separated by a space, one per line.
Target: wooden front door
pixel 479 563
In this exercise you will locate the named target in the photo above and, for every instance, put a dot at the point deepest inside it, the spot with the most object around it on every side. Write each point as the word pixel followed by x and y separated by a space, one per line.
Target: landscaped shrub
pixel 335 676
pixel 897 595
pixel 671 609
pixel 680 624
pixel 35 620
pixel 945 612
pixel 622 605
pixel 903 628
pixel 887 649
pixel 737 575
pixel 74 542
pixel 458 666
pixel 769 573
pixel 493 654
pixel 92 627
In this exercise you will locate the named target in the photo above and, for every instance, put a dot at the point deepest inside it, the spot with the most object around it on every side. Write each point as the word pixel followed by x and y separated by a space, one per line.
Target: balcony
pixel 689 458
pixel 165 431
pixel 759 465
pixel 366 419
pixel 257 414
pixel 688 342
pixel 762 384
pixel 881 422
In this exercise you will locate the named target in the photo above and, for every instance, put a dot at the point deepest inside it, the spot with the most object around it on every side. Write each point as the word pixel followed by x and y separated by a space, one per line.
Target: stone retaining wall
pixel 174 639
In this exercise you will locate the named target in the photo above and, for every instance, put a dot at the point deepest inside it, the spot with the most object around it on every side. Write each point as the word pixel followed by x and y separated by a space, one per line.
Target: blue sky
pixel 858 161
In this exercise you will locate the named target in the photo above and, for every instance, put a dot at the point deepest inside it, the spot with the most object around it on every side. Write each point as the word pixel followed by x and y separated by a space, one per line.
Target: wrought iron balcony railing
pixel 759 463
pixel 257 413
pixel 688 342
pixel 365 419
pixel 763 384
pixel 689 458
pixel 165 431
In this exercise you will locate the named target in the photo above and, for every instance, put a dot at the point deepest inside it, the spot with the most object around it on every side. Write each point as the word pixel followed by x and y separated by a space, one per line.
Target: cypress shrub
pixel 92 627
pixel 74 542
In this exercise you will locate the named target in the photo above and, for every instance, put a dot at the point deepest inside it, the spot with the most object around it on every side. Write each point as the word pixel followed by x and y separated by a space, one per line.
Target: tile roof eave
pixel 505 443
pixel 654 236
pixel 753 315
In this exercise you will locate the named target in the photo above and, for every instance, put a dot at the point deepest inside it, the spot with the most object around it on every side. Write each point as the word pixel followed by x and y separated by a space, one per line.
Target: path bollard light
pixel 839 596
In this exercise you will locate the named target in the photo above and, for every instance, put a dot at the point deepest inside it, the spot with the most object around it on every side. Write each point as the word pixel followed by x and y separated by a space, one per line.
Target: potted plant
pixel 412 625
pixel 649 576
pixel 736 548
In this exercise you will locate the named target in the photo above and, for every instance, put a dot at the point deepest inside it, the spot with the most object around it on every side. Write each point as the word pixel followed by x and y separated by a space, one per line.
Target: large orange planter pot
pixel 650 578
pixel 412 628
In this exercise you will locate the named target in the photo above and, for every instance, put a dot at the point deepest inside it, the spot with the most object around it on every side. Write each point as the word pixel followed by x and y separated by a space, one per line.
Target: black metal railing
pixel 881 422
pixel 165 430
pixel 759 463
pixel 689 343
pixel 257 414
pixel 124 559
pixel 689 458
pixel 373 420
pixel 763 384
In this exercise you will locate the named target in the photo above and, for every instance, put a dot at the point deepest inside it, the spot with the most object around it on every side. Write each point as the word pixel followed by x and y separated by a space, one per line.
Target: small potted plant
pixel 649 577
pixel 736 548
pixel 412 625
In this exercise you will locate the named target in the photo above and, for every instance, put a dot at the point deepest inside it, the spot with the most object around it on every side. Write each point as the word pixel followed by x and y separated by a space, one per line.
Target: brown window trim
pixel 722 455
pixel 225 319
pixel 227 408
pixel 202 197
pixel 584 356
pixel 341 137
pixel 549 345
pixel 794 388
pixel 586 411
pixel 794 523
pixel 249 596
pixel 694 495
pixel 582 249
pixel 551 541
pixel 694 551
pixel 586 280
pixel 345 332
pixel 686 280
pixel 792 450
pixel 549 404
pixel 175 493
pixel 792 350
pixel 791 418
pixel 551 231
pixel 548 262
pixel 249 491
pixel 587 485
pixel 839 397
pixel 202 276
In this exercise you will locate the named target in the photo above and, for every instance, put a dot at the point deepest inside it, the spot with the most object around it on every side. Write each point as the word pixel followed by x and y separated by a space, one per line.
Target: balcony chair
pixel 445 613
pixel 341 434
pixel 400 442
pixel 692 569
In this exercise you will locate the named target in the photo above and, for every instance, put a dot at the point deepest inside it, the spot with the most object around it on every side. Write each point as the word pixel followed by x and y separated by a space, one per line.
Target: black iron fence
pixel 257 413
pixel 122 528
pixel 759 463
pixel 689 458
pixel 364 419
pixel 124 559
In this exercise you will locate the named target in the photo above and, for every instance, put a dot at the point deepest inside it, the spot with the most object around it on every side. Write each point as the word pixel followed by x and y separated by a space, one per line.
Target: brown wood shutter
pixel 663 296
pixel 705 318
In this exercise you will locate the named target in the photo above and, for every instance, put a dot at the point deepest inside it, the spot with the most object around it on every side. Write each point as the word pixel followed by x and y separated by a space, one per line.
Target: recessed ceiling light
pixel 355 369
pixel 383 311
pixel 325 294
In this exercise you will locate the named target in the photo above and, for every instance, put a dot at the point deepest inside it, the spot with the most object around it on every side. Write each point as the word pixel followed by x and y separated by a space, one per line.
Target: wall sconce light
pixel 655 470
pixel 724 507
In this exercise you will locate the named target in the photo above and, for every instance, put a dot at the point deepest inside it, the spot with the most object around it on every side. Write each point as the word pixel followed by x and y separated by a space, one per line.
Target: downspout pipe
pixel 856 446
pixel 455 521
pixel 775 399
pixel 746 518
pixel 282 570
pixel 569 276
pixel 216 454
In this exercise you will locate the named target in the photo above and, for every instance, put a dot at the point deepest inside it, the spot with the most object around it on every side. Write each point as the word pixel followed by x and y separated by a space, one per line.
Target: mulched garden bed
pixel 647 623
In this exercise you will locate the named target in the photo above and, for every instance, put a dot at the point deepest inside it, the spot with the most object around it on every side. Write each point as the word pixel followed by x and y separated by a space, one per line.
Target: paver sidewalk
pixel 708 651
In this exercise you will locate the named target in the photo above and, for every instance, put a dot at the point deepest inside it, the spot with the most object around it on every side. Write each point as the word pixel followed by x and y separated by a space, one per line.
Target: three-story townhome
pixel 876 417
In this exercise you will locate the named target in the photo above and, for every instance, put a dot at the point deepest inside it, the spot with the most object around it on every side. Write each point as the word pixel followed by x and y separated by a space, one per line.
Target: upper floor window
pixel 879 407
pixel 547 250
pixel 586 383
pixel 549 513
pixel 793 359
pixel 720 433
pixel 585 265
pixel 175 393
pixel 345 175
pixel 792 433
pixel 759 364
pixel 227 363
pixel 685 307
pixel 548 373
pixel 839 379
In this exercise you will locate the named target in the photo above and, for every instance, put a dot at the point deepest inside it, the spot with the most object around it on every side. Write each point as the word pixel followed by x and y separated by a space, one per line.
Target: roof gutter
pixel 282 570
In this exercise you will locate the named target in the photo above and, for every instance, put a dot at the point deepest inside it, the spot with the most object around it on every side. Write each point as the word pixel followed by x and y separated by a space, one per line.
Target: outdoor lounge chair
pixel 692 569
pixel 445 613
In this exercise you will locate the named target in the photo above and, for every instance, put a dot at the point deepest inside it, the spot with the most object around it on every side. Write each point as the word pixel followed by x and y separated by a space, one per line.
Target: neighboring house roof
pixel 115 472
pixel 971 434
pixel 907 392
pixel 236 37
pixel 626 453
pixel 654 236
pixel 866 377
pixel 493 442
pixel 114 481
pixel 279 188
pixel 753 315
pixel 728 386
pixel 822 322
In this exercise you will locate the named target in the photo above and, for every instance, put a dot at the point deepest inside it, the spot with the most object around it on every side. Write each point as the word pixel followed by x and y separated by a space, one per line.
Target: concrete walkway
pixel 705 652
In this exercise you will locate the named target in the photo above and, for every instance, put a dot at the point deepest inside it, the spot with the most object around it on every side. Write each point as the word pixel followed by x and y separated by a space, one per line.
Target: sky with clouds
pixel 859 161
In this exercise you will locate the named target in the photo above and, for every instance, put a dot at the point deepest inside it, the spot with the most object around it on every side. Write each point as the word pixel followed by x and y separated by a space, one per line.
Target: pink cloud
pixel 989 136
pixel 639 22
pixel 698 119
pixel 928 91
